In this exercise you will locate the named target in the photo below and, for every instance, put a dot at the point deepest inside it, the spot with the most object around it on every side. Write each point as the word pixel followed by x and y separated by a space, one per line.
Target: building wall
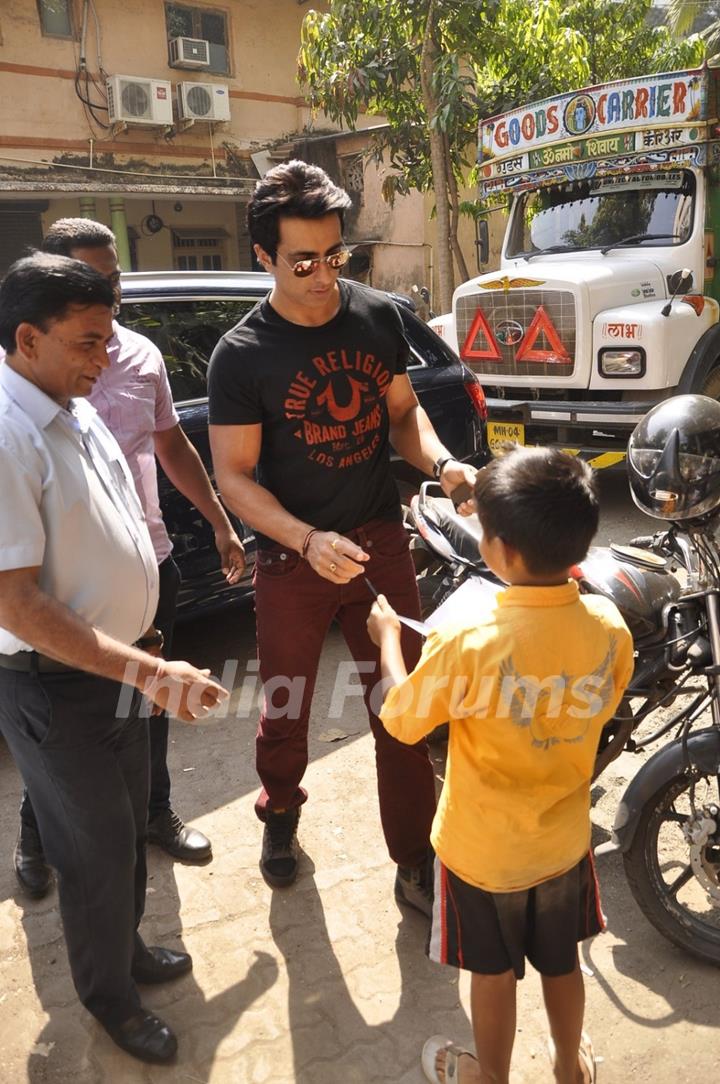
pixel 392 236
pixel 39 71
pixel 155 251
pixel 48 142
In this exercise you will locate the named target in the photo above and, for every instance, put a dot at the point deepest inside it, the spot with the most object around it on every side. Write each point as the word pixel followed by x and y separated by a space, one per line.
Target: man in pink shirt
pixel 133 398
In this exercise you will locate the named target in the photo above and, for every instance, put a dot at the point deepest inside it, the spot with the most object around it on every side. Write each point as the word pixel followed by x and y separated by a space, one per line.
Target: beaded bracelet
pixel 306 543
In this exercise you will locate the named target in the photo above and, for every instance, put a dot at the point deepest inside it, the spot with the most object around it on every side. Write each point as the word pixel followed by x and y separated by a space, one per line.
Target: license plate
pixel 500 432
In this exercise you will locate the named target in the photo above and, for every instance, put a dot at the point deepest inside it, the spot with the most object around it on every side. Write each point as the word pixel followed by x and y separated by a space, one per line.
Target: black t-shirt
pixel 319 394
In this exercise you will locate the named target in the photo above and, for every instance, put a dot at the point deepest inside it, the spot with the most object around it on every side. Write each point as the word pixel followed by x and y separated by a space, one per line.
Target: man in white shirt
pixel 133 397
pixel 78 588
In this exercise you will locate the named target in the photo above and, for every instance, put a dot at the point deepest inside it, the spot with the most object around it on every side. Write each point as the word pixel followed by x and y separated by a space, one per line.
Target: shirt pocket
pixel 136 407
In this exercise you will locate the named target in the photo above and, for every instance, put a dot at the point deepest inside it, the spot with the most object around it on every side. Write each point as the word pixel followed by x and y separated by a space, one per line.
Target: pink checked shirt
pixel 133 398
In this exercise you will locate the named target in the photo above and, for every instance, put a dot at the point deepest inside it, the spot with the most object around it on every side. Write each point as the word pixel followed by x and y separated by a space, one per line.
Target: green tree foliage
pixel 434 68
pixel 685 16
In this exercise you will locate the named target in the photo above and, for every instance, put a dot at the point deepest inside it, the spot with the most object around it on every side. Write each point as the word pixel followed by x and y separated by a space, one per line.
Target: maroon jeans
pixel 295 608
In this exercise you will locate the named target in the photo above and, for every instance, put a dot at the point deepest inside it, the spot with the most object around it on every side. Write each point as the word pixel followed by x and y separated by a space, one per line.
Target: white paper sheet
pixel 470 601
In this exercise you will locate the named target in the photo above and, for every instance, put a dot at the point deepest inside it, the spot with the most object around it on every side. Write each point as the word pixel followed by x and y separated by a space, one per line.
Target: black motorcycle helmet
pixel 674 458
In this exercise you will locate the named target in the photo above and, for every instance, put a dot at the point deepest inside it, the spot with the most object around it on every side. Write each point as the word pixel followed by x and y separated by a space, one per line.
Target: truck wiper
pixel 636 237
pixel 544 251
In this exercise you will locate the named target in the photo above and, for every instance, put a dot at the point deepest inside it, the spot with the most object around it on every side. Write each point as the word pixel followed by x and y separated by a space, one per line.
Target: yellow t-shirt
pixel 527 691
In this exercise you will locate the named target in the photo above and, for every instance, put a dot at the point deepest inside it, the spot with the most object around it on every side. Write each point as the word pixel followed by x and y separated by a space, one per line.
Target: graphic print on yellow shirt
pixel 539 705
pixel 527 690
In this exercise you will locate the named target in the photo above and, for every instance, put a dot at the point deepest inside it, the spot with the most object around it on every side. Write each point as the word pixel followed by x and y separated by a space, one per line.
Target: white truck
pixel 606 298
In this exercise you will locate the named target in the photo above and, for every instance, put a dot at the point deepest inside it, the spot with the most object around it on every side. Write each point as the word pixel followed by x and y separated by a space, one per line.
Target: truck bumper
pixel 596 431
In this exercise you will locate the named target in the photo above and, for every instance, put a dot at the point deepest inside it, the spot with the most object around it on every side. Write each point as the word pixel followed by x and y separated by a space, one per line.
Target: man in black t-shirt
pixel 306 394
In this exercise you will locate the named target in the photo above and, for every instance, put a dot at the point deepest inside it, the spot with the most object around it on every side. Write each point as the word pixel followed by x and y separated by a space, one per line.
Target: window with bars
pixel 183 21
pixel 197 253
pixel 55 18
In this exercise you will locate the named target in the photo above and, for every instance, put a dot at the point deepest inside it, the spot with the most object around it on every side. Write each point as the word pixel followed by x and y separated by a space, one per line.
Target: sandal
pixel 586 1056
pixel 452 1065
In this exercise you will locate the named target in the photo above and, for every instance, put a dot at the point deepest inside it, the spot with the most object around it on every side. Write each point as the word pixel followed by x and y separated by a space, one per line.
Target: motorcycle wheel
pixel 659 873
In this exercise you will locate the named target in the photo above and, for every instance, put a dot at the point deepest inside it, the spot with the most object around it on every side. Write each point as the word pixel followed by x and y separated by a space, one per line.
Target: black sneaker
pixel 414 888
pixel 279 860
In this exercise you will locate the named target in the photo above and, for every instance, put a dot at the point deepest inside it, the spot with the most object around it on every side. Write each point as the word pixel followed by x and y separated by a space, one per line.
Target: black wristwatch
pixel 440 464
pixel 155 639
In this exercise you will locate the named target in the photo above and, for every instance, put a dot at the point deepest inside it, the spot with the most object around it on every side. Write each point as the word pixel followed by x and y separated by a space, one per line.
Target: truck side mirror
pixel 680 281
pixel 683 280
pixel 482 241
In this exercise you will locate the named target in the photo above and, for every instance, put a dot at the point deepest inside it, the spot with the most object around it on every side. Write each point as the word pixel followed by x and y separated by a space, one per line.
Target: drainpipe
pixel 118 225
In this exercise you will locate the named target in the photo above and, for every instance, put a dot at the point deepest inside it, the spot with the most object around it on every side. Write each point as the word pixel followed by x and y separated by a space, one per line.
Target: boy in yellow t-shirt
pixel 527 688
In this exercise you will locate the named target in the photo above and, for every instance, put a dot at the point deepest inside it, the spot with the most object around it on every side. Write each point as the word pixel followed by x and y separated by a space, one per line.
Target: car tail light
pixel 477 396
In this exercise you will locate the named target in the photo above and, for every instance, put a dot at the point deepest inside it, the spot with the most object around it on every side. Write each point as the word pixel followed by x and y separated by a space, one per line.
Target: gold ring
pixel 333 567
pixel 334 543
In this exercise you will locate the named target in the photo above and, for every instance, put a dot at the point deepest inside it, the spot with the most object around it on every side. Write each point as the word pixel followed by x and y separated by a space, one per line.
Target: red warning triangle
pixel 542 325
pixel 491 351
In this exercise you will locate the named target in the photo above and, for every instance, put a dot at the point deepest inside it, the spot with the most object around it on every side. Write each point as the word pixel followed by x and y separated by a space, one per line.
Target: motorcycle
pixel 667 587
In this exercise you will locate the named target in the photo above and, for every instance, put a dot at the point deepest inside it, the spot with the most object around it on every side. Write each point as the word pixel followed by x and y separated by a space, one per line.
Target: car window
pixel 426 347
pixel 185 333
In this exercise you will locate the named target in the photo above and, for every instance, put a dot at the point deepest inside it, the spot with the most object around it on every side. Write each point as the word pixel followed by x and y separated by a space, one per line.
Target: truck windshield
pixel 599 212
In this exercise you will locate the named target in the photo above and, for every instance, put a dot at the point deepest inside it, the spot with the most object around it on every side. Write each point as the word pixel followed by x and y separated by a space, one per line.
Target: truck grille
pixel 518 332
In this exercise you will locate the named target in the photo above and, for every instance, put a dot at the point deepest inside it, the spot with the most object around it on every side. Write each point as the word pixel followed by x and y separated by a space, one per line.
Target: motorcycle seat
pixel 462 532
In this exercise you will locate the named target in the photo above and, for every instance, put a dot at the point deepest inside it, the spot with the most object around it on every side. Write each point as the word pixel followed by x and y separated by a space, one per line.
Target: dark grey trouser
pixel 159 774
pixel 87 773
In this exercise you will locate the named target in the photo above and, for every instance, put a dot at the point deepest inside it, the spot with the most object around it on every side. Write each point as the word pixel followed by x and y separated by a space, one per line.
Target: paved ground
pixel 324 983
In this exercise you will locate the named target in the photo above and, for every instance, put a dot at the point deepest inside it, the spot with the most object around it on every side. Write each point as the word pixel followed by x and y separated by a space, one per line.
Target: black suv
pixel 185 313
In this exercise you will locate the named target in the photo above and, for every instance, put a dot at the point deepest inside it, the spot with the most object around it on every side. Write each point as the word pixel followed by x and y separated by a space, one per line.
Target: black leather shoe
pixel 31 869
pixel 169 832
pixel 160 965
pixel 145 1036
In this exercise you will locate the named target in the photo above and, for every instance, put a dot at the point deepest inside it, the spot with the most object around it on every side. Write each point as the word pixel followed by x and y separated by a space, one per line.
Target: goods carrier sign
pixel 641 116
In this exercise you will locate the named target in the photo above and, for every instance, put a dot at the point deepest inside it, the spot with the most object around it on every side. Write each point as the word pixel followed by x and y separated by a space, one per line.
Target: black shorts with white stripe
pixel 493 932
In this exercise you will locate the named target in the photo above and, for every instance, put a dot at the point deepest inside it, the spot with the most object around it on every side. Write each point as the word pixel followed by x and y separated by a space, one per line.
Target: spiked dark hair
pixel 291 190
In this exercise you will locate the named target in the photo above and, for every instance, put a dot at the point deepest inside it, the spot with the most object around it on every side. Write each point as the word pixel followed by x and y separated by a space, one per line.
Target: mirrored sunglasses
pixel 303 268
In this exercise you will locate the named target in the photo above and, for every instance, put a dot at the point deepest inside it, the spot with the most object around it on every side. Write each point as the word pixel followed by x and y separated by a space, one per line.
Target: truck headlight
pixel 622 362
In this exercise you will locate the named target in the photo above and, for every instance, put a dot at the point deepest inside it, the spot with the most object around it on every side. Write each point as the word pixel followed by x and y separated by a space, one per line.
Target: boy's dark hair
pixel 40 288
pixel 542 502
pixel 67 234
pixel 291 190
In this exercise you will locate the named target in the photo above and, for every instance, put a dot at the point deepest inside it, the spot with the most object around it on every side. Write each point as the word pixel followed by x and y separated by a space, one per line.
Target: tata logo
pixel 509 332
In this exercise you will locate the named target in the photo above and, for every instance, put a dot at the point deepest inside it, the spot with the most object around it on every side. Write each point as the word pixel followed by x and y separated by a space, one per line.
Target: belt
pixel 32 662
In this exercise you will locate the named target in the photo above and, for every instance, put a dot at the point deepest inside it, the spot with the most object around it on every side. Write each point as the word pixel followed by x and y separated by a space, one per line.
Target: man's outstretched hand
pixel 184 691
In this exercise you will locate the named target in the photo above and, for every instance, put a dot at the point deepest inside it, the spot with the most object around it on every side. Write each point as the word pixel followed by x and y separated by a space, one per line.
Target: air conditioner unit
pixel 134 100
pixel 189 53
pixel 203 101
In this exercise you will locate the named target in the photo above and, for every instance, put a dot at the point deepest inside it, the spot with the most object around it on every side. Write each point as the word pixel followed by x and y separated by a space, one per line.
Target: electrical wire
pixel 122 172
pixel 83 74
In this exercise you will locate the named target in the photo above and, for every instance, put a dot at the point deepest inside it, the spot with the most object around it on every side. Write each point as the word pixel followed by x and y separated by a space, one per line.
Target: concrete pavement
pixel 325 982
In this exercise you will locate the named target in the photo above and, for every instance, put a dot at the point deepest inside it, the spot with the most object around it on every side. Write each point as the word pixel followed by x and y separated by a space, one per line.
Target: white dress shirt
pixel 69 506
